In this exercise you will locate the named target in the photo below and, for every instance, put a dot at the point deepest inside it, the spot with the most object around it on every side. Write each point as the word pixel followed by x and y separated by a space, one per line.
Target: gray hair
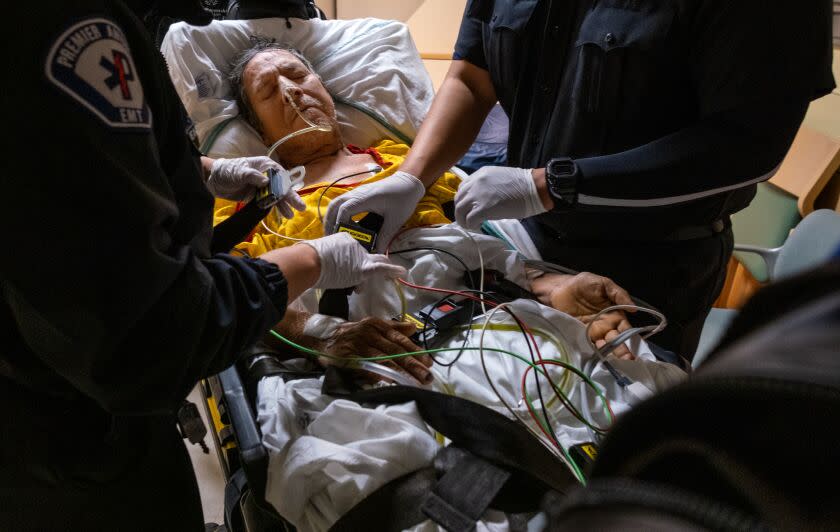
pixel 259 44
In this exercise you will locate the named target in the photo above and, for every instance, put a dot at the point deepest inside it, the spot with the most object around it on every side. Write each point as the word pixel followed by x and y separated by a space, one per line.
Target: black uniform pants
pixel 62 468
pixel 681 278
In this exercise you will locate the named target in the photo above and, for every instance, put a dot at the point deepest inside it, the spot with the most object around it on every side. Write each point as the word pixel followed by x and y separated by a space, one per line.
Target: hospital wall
pixel 328 6
pixel 824 116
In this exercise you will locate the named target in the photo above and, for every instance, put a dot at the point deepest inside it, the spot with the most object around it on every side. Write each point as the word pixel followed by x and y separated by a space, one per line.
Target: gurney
pixel 232 395
pixel 270 398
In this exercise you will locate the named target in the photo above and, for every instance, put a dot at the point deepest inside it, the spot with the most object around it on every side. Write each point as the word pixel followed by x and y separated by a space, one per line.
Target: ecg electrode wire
pixel 482 350
pixel 563 399
pixel 565 380
pixel 505 307
pixel 580 416
pixel 466 336
pixel 548 437
pixel 566 401
pixel 265 226
pixel 320 218
pixel 588 368
pixel 536 379
pixel 320 354
pixel 571 462
pixel 425 319
pixel 445 252
pixel 480 262
pixel 332 184
pixel 540 437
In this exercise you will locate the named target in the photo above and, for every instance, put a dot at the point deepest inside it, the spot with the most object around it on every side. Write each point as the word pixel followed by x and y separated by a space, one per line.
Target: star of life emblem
pixel 91 62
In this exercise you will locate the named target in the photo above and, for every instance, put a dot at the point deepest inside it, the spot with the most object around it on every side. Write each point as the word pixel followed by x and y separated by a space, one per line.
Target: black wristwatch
pixel 561 176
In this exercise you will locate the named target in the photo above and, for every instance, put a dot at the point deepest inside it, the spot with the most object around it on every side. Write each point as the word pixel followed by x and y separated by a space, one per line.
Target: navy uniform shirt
pixel 672 109
pixel 110 297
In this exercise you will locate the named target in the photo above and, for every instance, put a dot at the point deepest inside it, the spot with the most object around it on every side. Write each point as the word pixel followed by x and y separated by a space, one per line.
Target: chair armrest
pixel 769 255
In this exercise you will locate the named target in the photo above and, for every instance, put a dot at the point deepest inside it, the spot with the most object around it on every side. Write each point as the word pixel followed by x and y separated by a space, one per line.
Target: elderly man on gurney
pixel 326 454
pixel 279 94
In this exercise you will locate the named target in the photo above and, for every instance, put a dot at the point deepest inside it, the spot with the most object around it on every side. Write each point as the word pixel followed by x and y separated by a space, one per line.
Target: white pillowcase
pixel 371 62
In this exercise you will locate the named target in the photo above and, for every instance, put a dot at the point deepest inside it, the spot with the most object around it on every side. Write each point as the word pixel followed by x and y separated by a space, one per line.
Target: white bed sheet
pixel 324 454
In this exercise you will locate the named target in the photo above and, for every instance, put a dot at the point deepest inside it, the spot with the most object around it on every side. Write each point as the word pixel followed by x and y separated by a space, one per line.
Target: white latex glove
pixel 496 193
pixel 239 179
pixel 394 198
pixel 345 263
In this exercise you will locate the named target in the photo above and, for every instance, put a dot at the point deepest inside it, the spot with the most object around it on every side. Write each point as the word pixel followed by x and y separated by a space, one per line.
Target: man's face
pixel 269 79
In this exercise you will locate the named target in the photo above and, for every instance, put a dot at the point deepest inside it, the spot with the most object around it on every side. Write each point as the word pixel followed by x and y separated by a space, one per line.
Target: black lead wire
pixel 332 184
pixel 473 285
pixel 441 300
pixel 473 303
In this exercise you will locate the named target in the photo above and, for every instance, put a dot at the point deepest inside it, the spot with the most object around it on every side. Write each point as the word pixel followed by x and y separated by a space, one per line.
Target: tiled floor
pixel 208 472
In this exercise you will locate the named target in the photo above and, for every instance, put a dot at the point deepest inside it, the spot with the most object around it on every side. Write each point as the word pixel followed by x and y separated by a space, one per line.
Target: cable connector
pixel 192 426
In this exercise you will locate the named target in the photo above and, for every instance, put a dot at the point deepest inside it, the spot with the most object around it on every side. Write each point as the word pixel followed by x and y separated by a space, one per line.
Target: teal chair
pixel 766 223
pixel 811 243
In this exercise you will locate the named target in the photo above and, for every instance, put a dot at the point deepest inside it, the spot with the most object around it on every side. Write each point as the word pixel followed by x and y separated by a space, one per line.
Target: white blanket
pixel 327 455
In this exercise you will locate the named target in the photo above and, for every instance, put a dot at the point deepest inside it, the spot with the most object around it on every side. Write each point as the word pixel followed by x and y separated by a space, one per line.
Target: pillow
pixel 370 66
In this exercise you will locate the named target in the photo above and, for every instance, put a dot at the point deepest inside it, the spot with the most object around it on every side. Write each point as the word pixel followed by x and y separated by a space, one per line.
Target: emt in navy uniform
pixel 637 128
pixel 111 305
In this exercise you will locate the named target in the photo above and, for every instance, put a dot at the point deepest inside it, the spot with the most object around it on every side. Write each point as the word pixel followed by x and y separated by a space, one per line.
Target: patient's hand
pixel 608 327
pixel 584 295
pixel 374 337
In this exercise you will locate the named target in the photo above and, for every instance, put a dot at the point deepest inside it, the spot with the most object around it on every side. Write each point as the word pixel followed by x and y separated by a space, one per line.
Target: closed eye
pixel 267 91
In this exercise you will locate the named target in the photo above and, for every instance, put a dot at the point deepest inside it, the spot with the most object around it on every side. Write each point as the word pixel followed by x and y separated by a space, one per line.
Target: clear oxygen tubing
pixel 480 262
pixel 312 127
pixel 384 371
pixel 298 181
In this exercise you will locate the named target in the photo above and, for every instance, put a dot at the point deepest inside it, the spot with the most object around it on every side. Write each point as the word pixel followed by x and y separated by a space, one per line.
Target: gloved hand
pixel 394 198
pixel 239 179
pixel 496 193
pixel 345 263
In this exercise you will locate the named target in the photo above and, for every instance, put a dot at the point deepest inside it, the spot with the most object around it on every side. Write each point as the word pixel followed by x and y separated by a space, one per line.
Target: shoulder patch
pixel 91 62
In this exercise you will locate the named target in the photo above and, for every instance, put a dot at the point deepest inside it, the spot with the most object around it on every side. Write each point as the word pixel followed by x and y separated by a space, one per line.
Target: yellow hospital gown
pixel 307 225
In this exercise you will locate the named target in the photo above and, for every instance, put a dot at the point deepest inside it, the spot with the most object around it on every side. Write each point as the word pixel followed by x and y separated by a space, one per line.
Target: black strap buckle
pixel 465 492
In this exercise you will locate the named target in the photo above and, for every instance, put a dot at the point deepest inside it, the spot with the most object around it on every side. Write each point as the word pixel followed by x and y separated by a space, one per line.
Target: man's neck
pixel 328 168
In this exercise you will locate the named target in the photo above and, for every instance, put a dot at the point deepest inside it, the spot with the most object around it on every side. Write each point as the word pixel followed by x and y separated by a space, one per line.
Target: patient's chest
pixel 351 169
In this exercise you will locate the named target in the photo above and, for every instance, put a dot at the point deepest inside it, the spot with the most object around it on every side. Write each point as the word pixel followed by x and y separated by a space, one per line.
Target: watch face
pixel 561 176
pixel 561 168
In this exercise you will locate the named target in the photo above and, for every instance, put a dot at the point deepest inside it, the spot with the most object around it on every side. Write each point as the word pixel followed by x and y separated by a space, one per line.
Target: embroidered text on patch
pixel 91 62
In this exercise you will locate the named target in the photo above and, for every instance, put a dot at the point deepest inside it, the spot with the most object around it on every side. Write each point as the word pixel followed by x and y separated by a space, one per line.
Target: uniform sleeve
pixel 106 273
pixel 111 303
pixel 753 85
pixel 469 45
